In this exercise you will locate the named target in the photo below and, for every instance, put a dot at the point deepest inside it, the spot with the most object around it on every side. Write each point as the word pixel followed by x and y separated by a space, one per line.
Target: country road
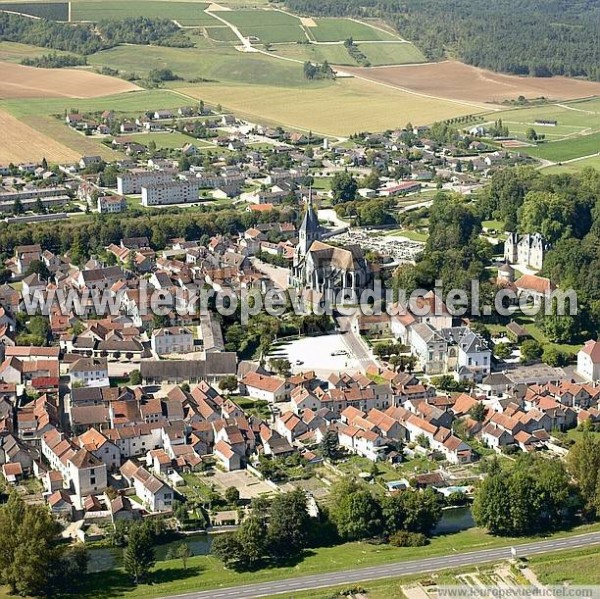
pixel 422 566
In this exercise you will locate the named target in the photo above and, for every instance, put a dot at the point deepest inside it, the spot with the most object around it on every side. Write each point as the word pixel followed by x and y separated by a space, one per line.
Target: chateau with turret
pixel 528 249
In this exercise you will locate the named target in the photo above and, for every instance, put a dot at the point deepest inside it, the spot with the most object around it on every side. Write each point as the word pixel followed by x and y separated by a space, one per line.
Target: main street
pixel 456 560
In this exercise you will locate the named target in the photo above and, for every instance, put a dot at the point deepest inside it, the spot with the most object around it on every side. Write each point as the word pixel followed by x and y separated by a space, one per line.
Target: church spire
pixel 309 229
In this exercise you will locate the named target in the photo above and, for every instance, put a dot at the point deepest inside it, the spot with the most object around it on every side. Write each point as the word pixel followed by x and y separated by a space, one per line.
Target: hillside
pixel 520 37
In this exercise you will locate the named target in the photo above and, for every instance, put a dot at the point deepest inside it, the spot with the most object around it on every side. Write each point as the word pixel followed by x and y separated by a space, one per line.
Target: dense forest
pixel 88 39
pixel 522 37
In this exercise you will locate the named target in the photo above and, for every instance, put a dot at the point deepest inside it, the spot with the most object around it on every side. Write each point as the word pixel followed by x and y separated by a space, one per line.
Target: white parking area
pixel 315 353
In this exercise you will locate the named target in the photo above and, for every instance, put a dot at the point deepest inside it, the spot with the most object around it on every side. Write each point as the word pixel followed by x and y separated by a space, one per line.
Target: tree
pixel 252 536
pixel 477 412
pixel 531 134
pixel 139 557
pixel 289 523
pixel 355 512
pixel 583 463
pixel 554 357
pixel 39 267
pixel 531 351
pixel 18 207
pixel 330 446
pixel 344 187
pixel 183 552
pixel 232 495
pixel 228 549
pixel 281 366
pixel 228 383
pixel 30 555
pixel 135 377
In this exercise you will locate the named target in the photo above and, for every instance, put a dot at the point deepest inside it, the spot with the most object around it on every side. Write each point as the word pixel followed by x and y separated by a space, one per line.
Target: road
pixel 422 566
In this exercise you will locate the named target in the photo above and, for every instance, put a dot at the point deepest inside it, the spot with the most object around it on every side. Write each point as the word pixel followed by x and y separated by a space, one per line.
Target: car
pixel 299 362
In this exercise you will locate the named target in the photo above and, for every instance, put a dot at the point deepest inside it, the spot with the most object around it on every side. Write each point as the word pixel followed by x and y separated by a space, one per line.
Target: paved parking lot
pixel 315 353
pixel 246 483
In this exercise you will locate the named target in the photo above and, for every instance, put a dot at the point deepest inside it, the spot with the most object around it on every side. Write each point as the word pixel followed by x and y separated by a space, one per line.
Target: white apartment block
pixel 134 180
pixel 170 192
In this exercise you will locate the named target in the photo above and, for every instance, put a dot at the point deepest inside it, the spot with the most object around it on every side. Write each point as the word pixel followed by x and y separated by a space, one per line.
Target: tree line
pixel 521 37
pixel 87 39
pixel 92 236
pixel 535 495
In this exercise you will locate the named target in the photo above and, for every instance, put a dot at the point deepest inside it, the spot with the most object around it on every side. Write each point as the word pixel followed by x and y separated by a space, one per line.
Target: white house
pixel 267 388
pixel 172 340
pixel 588 360
pixel 156 495
pixel 90 372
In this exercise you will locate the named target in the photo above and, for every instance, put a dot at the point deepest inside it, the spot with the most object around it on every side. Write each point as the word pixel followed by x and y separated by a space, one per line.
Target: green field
pixel 574 167
pixel 56 11
pixel 15 52
pixel 567 149
pixel 165 140
pixel 185 13
pixel 390 54
pixel 573 567
pixel 222 34
pixel 269 26
pixel 223 64
pixel 130 104
pixel 335 30
pixel 581 116
pixel 378 53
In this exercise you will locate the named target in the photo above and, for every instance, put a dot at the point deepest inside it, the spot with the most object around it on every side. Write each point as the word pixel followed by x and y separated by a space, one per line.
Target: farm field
pixel 125 104
pixel 221 33
pixel 336 109
pixel 222 64
pixel 572 118
pixel 21 143
pixel 567 149
pixel 269 26
pixel 15 52
pixel 57 11
pixel 185 13
pixel 574 167
pixel 336 54
pixel 392 54
pixel 334 30
pixel 28 82
pixel 454 80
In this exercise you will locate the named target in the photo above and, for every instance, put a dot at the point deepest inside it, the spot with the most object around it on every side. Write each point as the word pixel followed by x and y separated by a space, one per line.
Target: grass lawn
pixel 185 13
pixel 335 30
pixel 222 33
pixel 206 572
pixel 493 224
pixel 412 235
pixel 314 107
pixel 165 140
pixel 538 335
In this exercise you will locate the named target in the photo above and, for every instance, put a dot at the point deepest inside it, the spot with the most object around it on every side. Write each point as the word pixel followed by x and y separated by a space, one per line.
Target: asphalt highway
pixel 391 570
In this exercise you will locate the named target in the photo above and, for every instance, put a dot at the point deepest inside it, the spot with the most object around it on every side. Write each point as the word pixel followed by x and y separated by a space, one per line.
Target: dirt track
pixel 457 81
pixel 19 81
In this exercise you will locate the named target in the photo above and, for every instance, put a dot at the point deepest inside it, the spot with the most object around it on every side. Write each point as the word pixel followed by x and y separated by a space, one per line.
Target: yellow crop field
pixel 20 143
pixel 341 108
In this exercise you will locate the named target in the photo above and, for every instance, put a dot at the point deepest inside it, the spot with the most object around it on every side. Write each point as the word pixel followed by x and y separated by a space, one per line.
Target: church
pixel 325 268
